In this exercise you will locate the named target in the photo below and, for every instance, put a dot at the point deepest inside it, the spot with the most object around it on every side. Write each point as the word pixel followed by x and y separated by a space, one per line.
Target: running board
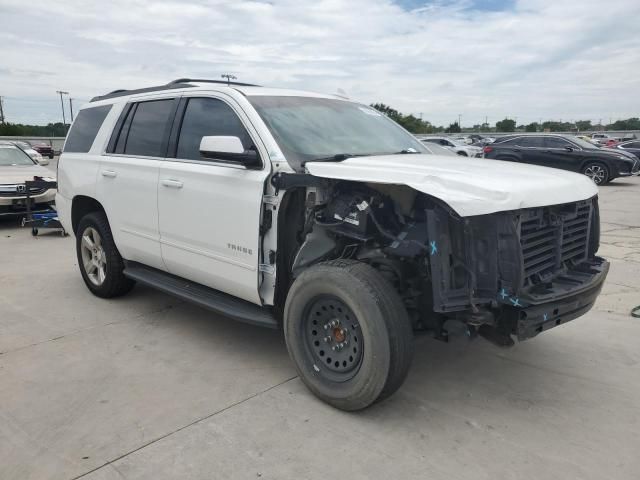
pixel 206 297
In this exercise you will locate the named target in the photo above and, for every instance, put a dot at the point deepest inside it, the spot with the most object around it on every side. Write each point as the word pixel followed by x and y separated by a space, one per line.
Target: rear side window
pixel 147 133
pixel 85 129
pixel 530 142
pixel 631 145
pixel 208 117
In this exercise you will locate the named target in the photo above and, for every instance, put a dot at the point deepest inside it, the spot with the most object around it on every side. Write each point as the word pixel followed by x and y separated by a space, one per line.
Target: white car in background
pixel 16 167
pixel 29 150
pixel 456 146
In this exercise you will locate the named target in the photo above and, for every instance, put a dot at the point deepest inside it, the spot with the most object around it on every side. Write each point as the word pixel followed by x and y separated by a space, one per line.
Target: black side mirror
pixel 248 158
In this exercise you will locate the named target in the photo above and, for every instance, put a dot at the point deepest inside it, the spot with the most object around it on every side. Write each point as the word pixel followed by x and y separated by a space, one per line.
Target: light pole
pixel 71 108
pixel 64 120
pixel 460 121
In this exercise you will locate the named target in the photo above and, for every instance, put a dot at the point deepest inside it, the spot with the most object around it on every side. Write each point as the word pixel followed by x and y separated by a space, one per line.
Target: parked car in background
pixel 631 147
pixel 44 149
pixel 565 152
pixel 16 167
pixel 29 150
pixel 612 142
pixel 435 149
pixel 600 138
pixel 455 146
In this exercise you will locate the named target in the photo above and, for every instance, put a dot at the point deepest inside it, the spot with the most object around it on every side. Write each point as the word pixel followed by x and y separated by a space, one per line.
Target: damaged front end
pixel 503 275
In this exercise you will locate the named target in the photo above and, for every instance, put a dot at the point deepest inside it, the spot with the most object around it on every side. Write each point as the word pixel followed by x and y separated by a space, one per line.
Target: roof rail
pixel 203 80
pixel 179 83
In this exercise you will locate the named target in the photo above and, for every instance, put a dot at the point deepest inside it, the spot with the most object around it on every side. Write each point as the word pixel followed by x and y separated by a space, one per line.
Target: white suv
pixel 321 216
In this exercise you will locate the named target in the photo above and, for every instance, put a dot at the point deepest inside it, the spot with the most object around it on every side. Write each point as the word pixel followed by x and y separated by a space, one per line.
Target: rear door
pixel 531 150
pixel 127 183
pixel 210 210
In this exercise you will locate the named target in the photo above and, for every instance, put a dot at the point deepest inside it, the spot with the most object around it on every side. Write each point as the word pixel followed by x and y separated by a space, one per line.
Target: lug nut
pixel 327 339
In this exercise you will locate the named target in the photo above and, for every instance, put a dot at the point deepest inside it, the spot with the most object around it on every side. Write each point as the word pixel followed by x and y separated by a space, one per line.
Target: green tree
pixel 453 128
pixel 583 125
pixel 532 127
pixel 628 124
pixel 506 125
pixel 410 122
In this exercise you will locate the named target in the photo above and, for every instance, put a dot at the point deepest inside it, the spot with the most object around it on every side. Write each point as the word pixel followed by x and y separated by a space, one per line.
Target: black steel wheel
pixel 333 337
pixel 348 333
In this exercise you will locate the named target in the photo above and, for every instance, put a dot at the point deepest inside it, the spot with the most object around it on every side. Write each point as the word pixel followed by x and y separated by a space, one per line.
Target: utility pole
pixel 64 120
pixel 71 108
pixel 229 77
pixel 1 112
pixel 460 121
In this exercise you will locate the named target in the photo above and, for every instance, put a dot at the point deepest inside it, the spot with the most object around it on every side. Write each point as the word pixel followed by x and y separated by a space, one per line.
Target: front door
pixel 210 210
pixel 560 153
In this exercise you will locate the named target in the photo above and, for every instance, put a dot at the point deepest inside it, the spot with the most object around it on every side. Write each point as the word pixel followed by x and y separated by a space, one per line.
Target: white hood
pixel 470 186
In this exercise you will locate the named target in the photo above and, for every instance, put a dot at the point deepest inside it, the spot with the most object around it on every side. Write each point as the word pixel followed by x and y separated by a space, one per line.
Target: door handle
pixel 516 149
pixel 109 174
pixel 172 183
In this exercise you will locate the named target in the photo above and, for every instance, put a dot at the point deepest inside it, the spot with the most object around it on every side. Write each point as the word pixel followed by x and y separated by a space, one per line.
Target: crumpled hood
pixel 19 174
pixel 470 186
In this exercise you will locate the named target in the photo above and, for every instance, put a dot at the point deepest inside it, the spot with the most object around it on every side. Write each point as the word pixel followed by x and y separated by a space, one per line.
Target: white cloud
pixel 538 59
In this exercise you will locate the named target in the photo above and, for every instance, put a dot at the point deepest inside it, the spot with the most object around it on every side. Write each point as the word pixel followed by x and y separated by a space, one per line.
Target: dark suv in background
pixel 566 152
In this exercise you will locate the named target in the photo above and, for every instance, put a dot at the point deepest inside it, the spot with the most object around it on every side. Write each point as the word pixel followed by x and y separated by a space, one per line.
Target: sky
pixel 522 59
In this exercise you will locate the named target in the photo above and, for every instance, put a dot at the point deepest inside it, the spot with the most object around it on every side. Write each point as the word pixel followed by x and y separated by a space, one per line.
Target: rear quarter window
pixel 85 128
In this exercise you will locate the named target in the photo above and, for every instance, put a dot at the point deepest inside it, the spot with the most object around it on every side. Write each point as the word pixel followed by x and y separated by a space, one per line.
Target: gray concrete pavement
pixel 146 387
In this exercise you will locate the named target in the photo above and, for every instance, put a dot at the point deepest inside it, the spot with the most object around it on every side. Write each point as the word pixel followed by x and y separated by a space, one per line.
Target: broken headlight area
pixel 503 275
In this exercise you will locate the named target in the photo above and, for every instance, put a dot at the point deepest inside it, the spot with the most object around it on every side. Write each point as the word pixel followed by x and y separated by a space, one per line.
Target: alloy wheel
pixel 596 173
pixel 94 259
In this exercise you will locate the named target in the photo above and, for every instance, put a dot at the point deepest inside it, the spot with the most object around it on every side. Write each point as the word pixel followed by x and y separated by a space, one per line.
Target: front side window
pixel 85 128
pixel 208 117
pixel 554 142
pixel 147 131
pixel 12 156
pixel 310 128
pixel 631 145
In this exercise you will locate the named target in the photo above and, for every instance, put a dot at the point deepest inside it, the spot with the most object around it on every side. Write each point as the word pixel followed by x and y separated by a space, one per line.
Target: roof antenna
pixel 229 77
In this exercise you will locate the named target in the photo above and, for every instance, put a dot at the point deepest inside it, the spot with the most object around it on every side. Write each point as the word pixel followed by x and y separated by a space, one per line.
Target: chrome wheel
pixel 597 173
pixel 94 259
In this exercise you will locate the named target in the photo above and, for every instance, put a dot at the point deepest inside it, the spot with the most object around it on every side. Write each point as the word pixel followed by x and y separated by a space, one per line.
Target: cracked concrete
pixel 146 387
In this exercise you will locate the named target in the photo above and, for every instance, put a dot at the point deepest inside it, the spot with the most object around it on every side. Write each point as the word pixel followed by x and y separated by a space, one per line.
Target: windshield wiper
pixel 338 157
pixel 407 150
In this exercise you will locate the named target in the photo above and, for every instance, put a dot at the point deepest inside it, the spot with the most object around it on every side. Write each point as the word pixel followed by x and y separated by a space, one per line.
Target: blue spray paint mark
pixel 434 249
pixel 503 293
pixel 545 316
pixel 515 302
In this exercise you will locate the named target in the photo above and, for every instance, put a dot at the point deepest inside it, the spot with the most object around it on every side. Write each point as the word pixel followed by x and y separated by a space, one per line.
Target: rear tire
pixel 100 262
pixel 597 172
pixel 372 326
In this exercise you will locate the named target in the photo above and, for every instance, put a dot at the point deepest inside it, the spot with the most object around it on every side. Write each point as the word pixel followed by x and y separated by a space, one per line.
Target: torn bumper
pixel 532 319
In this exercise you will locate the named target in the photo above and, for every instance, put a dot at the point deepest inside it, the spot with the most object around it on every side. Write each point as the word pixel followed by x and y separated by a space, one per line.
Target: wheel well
pixel 82 206
pixel 463 154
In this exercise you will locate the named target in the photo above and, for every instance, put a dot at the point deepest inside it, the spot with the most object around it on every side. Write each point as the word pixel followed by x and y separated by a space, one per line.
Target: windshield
pixel 10 156
pixel 583 143
pixel 308 128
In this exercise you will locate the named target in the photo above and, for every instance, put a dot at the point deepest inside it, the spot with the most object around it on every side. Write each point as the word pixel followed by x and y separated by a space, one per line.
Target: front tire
pixel 348 334
pixel 100 262
pixel 596 172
